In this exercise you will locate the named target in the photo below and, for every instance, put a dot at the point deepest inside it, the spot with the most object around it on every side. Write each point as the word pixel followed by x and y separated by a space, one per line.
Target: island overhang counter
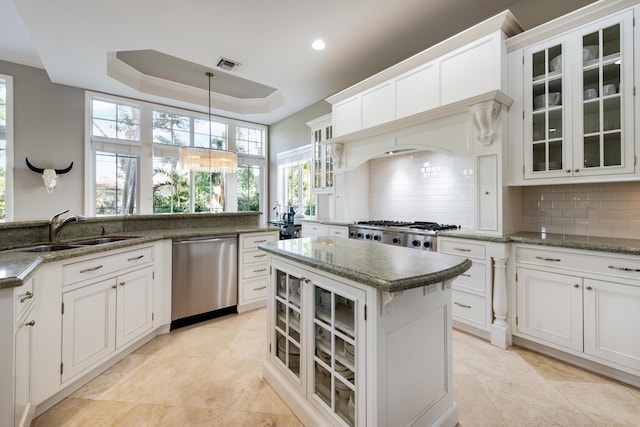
pixel 360 333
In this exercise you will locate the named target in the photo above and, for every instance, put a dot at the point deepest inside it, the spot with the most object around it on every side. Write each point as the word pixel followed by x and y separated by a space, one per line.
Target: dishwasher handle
pixel 204 239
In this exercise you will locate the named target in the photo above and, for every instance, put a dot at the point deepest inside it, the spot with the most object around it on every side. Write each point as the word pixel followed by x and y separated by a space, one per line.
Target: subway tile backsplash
pixel 604 210
pixel 423 186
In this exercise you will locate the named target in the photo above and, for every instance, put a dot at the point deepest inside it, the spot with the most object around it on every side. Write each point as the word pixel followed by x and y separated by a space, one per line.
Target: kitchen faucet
pixel 56 226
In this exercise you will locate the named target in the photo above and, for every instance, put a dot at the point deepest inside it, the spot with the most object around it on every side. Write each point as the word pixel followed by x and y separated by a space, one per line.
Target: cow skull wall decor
pixel 49 176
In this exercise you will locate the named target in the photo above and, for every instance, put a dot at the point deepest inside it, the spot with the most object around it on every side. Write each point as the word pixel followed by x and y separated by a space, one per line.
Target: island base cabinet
pixel 612 314
pixel 346 354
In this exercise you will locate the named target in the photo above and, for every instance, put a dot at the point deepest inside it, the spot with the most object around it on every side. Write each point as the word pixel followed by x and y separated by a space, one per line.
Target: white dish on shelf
pixel 556 63
pixel 589 53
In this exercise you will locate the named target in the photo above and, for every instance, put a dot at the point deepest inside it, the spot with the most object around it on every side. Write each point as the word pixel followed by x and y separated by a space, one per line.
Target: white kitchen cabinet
pixel 611 315
pixel 16 352
pixel 253 269
pixel 322 164
pixel 99 318
pixel 549 307
pixel 319 229
pixel 342 354
pixel 581 302
pixel 578 103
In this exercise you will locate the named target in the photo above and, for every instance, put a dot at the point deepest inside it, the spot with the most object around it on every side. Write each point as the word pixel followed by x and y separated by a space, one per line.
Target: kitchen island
pixel 360 333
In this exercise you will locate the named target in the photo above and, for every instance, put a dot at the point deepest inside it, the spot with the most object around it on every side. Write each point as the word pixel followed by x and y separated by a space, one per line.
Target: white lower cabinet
pixel 585 302
pixel 100 317
pixel 253 270
pixel 343 354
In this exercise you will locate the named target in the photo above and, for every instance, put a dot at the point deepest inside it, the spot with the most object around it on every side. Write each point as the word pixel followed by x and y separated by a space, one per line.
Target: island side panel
pixel 414 377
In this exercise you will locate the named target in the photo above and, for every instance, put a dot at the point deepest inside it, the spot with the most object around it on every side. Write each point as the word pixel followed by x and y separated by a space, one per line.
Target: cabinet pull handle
pixel 462 305
pixel 86 270
pixel 589 288
pixel 259 241
pixel 462 250
pixel 121 283
pixel 548 259
pixel 613 267
pixel 32 323
pixel 465 275
pixel 260 270
pixel 576 285
pixel 576 170
pixel 114 286
pixel 568 171
pixel 260 256
pixel 135 258
pixel 26 296
pixel 260 288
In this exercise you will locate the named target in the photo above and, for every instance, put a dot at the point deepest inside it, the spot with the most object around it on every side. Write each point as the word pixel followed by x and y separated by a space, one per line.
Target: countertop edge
pixel 362 277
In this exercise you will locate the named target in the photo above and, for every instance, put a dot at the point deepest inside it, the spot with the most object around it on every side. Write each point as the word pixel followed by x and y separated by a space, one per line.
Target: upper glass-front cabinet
pixel 321 130
pixel 579 102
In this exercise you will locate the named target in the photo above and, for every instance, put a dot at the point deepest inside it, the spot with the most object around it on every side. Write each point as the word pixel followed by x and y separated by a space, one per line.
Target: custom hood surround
pixel 446 99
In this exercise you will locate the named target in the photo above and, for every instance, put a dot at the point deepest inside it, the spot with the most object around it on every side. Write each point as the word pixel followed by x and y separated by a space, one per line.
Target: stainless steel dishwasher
pixel 204 279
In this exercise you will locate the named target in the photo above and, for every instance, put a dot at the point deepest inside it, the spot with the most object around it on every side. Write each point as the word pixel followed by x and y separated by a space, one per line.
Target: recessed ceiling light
pixel 318 44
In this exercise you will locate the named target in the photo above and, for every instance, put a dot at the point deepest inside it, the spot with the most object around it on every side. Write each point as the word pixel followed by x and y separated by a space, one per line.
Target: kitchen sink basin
pixel 46 248
pixel 101 240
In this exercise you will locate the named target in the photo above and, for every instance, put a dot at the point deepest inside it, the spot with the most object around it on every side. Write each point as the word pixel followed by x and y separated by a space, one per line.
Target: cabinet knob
pixel 576 286
pixel 32 323
pixel 576 170
pixel 589 288
pixel 486 192
pixel 114 286
pixel 121 283
pixel 568 171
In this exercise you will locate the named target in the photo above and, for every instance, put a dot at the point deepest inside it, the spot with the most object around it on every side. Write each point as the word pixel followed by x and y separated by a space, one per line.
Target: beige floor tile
pixel 247 344
pixel 271 420
pixel 269 402
pixel 202 417
pixel 556 370
pixel 199 342
pixel 476 409
pixel 101 413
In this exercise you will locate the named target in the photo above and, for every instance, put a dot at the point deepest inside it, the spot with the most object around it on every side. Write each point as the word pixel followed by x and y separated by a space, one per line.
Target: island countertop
pixel 386 267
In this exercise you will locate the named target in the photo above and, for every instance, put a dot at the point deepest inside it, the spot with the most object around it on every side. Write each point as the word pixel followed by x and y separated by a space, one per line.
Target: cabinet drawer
pixel 470 308
pixel 255 270
pixel 252 241
pixel 23 298
pixel 469 250
pixel 249 257
pixel 99 266
pixel 314 230
pixel 583 263
pixel 473 279
pixel 254 289
pixel 338 231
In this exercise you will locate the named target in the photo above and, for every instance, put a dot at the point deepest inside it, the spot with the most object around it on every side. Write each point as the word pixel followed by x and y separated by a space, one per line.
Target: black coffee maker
pixel 289 216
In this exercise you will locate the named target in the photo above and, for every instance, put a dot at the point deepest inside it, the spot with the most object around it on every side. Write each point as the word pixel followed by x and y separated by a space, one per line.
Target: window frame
pixel 298 155
pixel 9 150
pixel 147 151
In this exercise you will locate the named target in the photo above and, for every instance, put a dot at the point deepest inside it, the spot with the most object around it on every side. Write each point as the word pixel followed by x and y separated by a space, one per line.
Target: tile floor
pixel 211 375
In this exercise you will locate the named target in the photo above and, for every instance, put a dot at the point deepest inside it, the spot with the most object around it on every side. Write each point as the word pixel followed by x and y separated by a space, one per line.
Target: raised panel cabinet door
pixel 23 409
pixel 134 305
pixel 488 192
pixel 611 318
pixel 88 326
pixel 549 307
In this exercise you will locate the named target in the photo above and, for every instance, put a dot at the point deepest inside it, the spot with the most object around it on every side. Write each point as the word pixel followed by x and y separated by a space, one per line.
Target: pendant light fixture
pixel 210 159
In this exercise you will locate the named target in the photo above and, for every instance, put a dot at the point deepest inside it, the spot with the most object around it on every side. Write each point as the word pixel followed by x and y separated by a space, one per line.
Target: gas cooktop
pixel 416 234
pixel 416 225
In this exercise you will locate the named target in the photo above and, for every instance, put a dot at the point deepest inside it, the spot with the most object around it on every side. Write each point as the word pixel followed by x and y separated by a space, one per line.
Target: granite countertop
pixel 16 267
pixel 386 267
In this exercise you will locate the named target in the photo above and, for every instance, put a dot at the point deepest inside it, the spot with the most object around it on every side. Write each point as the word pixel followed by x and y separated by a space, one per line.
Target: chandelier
pixel 202 159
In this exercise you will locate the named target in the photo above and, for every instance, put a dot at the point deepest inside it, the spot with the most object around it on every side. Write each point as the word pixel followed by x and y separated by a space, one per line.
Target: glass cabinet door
pixel 322 160
pixel 335 358
pixel 547 99
pixel 318 156
pixel 288 332
pixel 602 112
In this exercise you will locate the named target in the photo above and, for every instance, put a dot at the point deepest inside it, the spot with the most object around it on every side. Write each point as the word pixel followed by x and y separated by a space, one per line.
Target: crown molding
pixel 21 59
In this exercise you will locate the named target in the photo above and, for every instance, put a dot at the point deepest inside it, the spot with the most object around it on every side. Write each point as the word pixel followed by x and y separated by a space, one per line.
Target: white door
pixel 88 326
pixel 549 307
pixel 135 305
pixel 611 319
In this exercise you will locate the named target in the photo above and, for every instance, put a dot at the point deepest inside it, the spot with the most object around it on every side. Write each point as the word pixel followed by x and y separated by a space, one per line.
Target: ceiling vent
pixel 227 64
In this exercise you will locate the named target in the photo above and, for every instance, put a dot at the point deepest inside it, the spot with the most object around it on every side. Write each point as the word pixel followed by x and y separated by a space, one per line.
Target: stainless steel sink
pixel 101 240
pixel 54 247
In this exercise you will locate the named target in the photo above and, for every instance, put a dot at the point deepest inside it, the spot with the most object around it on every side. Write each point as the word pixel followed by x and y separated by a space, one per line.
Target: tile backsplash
pixel 604 209
pixel 423 186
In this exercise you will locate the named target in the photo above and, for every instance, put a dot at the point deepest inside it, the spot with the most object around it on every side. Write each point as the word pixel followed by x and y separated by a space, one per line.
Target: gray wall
pixel 49 130
pixel 288 134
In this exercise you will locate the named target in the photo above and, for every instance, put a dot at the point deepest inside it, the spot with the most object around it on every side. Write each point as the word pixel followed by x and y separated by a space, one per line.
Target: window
pixel 6 140
pixel 125 164
pixel 294 181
